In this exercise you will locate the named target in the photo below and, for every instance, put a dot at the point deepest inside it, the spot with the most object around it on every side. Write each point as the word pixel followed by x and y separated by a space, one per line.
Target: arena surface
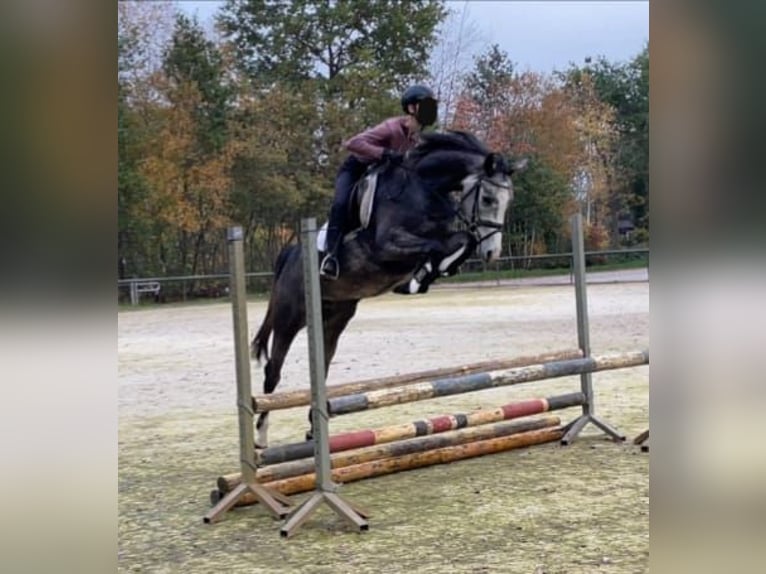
pixel 547 509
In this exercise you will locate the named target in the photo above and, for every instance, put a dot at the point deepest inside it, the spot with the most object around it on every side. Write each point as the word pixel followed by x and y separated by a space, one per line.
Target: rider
pixel 388 141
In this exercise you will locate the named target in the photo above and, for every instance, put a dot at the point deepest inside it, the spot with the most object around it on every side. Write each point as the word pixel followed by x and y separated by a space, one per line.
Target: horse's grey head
pixel 485 198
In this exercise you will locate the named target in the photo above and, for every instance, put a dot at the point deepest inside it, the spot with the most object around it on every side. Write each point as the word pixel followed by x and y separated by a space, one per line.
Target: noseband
pixel 475 222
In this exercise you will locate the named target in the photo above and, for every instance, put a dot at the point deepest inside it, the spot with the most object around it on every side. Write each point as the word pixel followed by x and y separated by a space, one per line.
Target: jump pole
pixel 325 488
pixel 481 381
pixel 277 503
pixel 583 338
pixel 289 399
pixel 434 425
pixel 391 465
pixel 396 449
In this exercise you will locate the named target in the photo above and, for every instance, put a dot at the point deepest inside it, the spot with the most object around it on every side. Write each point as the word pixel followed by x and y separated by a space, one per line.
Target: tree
pixel 131 189
pixel 525 114
pixel 143 32
pixel 625 87
pixel 310 74
pixel 385 42
pixel 250 129
pixel 450 60
pixel 186 156
pixel 193 59
pixel 486 84
pixel 597 180
pixel 189 188
pixel 485 97
pixel 144 28
pixel 567 131
pixel 278 173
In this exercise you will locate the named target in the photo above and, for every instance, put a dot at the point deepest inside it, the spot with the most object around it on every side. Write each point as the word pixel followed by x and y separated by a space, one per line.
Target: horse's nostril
pixel 488 255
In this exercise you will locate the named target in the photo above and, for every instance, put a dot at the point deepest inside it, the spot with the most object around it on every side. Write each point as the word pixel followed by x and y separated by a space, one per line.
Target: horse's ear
pixel 491 164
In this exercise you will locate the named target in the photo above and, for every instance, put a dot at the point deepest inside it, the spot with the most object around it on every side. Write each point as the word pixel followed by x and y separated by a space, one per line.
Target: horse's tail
pixel 259 346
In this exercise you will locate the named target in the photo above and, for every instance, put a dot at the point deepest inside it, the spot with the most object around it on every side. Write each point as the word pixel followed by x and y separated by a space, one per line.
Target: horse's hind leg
pixel 284 334
pixel 335 316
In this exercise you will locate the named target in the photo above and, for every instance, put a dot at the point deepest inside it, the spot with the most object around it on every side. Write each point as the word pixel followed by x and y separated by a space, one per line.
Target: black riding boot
pixel 330 266
pixel 351 170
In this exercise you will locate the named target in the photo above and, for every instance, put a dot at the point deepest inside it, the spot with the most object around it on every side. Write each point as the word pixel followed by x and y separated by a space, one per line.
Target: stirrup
pixel 330 267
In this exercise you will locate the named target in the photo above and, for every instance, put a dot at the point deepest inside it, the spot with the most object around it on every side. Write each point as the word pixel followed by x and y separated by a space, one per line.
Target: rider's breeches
pixel 349 173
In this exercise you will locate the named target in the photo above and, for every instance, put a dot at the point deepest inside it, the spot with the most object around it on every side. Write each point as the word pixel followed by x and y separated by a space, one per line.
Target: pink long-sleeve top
pixel 393 133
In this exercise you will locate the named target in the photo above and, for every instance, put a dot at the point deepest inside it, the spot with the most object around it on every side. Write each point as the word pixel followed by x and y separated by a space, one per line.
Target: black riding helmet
pixel 417 94
pixel 414 94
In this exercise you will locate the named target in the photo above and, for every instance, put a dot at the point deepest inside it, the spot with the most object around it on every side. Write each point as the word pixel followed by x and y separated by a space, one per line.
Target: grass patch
pixel 492 274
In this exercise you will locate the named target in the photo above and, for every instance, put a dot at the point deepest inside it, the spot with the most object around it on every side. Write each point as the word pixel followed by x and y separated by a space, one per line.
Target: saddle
pixel 360 206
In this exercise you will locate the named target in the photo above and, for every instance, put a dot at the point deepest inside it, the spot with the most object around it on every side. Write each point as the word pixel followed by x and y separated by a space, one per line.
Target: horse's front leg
pixel 335 316
pixel 458 247
pixel 425 253
pixel 399 245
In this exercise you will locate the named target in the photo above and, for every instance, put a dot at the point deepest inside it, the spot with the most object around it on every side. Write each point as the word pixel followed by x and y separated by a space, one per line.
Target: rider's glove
pixel 393 156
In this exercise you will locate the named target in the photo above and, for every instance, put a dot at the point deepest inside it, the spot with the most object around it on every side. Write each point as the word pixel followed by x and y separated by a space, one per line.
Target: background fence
pixel 193 287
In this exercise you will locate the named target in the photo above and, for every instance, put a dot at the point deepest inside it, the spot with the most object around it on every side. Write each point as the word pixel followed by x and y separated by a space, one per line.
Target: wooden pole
pixel 477 382
pixel 643 440
pixel 399 448
pixel 275 502
pixel 290 399
pixel 368 437
pixel 391 465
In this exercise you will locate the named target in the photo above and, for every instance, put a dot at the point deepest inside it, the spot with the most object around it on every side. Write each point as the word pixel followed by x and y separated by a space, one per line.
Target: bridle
pixel 475 222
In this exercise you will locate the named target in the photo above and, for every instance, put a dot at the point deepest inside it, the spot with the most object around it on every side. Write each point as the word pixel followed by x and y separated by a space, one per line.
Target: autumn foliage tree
pixel 190 188
pixel 523 114
pixel 597 185
pixel 624 87
pixel 144 30
pixel 565 128
pixel 185 164
pixel 246 126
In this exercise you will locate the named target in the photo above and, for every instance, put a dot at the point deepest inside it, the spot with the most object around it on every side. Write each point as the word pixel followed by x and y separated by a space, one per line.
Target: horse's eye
pixel 487 201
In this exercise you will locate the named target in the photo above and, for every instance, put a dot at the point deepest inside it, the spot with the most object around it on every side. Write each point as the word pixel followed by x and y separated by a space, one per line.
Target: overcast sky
pixel 541 36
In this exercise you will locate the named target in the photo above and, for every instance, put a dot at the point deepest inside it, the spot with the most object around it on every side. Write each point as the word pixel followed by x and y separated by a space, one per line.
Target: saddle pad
pixel 322 237
pixel 368 185
pixel 366 193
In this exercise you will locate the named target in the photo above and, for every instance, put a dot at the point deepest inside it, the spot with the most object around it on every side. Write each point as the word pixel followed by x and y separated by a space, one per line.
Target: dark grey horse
pixel 448 178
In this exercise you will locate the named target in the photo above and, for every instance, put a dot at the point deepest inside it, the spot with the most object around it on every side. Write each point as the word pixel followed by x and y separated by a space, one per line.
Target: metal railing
pixel 186 286
pixel 216 285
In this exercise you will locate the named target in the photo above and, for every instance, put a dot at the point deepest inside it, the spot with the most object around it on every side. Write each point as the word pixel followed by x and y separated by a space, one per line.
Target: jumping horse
pixel 410 239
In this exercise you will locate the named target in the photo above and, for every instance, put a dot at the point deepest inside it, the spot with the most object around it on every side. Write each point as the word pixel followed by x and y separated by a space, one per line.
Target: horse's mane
pixel 454 141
